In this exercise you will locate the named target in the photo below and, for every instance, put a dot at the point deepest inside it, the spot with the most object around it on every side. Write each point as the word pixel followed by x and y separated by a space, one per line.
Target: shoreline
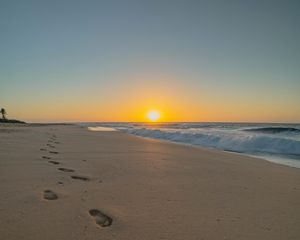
pixel 280 161
pixel 264 158
pixel 61 181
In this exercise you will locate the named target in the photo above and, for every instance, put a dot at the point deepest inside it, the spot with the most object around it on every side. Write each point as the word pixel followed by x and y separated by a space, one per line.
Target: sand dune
pixel 65 182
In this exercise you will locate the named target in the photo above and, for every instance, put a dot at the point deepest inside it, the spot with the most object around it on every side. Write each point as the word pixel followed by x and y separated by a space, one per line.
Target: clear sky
pixel 115 60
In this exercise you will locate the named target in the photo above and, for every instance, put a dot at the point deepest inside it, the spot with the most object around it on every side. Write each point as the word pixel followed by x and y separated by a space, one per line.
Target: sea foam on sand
pixel 102 129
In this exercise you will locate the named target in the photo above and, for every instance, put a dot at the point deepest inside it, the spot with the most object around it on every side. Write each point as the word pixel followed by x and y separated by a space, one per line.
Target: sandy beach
pixel 65 182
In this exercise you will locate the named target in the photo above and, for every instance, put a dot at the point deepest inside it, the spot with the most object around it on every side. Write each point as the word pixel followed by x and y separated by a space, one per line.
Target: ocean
pixel 279 143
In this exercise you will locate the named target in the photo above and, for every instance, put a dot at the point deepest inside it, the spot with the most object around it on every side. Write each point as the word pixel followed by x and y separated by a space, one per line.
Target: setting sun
pixel 153 115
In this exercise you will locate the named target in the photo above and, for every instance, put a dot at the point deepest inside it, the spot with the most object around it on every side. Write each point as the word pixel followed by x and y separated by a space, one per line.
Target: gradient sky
pixel 115 60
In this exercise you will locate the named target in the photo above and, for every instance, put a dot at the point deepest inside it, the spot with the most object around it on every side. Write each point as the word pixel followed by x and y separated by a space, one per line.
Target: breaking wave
pixel 269 141
pixel 273 130
pixel 230 141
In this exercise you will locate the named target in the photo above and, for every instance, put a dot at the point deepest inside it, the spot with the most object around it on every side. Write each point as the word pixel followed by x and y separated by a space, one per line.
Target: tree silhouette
pixel 3 112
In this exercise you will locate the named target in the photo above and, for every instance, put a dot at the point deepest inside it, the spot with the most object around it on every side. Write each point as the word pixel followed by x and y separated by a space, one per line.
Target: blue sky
pixel 60 55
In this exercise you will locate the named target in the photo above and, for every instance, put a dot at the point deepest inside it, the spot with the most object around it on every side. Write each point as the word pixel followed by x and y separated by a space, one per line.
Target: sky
pixel 236 61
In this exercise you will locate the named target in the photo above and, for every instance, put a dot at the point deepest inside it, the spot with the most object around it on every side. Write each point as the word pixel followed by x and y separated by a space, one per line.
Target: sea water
pixel 278 143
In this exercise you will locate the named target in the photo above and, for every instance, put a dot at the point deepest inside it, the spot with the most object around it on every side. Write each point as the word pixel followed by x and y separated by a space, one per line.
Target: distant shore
pixel 17 123
pixel 10 121
pixel 61 181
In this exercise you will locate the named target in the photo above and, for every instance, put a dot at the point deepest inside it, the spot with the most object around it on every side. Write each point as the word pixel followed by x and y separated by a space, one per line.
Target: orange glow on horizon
pixel 132 102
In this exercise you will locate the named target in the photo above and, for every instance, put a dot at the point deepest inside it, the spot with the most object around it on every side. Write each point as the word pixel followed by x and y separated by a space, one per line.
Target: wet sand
pixel 65 182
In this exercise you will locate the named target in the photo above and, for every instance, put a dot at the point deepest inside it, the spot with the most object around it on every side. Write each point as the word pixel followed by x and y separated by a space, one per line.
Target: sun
pixel 153 115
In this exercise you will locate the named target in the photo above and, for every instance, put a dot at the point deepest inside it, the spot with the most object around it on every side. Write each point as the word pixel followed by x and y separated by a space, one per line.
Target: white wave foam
pixel 102 129
pixel 226 140
pixel 274 144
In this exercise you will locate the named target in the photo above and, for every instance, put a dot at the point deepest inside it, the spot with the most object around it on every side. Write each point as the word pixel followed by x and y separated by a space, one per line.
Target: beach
pixel 66 182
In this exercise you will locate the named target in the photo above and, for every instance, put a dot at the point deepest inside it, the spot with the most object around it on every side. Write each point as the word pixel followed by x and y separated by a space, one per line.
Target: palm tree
pixel 3 112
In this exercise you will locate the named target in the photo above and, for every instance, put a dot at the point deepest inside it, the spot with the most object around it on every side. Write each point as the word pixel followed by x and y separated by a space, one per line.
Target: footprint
pixel 80 178
pixel 43 149
pixel 100 218
pixel 45 157
pixel 53 152
pixel 49 145
pixel 54 162
pixel 57 142
pixel 50 195
pixel 66 170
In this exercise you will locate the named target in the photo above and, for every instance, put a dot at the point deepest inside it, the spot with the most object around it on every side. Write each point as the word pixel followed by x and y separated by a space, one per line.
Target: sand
pixel 65 182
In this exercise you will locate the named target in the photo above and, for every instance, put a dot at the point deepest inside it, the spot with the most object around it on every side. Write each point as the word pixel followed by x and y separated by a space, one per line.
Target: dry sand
pixel 65 182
